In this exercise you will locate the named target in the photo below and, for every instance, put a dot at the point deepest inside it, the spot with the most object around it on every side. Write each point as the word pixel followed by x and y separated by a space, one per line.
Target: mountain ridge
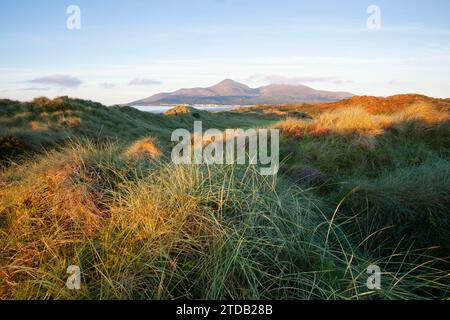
pixel 230 92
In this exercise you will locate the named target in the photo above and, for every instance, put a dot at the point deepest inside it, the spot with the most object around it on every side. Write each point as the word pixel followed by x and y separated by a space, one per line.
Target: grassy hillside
pixel 393 166
pixel 45 123
pixel 358 186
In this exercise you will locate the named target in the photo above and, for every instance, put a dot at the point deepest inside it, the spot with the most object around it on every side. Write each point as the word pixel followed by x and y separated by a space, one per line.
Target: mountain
pixel 229 92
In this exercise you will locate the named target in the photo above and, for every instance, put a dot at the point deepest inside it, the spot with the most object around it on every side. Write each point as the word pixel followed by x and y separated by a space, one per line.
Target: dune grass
pixel 358 120
pixel 45 124
pixel 397 163
pixel 159 231
pixel 386 202
pixel 99 192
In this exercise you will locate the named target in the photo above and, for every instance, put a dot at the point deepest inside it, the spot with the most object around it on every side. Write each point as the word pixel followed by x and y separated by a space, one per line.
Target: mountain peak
pixel 232 88
pixel 230 92
pixel 229 82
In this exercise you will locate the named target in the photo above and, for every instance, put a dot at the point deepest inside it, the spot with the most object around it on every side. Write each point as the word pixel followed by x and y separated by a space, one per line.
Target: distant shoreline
pixel 207 107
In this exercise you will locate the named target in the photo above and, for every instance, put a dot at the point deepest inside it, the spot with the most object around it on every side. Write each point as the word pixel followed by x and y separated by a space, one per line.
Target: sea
pixel 211 108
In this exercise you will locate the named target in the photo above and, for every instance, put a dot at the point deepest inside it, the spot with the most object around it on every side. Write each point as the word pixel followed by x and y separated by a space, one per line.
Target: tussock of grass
pixel 144 148
pixel 422 112
pixel 180 110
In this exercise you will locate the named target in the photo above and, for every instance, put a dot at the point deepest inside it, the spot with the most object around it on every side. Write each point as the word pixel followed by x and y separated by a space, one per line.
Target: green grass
pixel 401 177
pixel 144 228
pixel 168 232
pixel 412 202
pixel 46 123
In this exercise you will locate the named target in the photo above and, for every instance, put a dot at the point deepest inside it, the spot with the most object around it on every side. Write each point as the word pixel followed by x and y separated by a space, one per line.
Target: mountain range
pixel 229 92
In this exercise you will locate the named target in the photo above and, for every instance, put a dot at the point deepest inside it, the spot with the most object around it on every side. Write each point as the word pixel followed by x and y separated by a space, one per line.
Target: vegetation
pixel 83 184
pixel 44 123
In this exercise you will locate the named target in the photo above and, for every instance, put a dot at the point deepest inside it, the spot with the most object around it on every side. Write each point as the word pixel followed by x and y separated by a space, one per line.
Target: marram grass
pixel 147 229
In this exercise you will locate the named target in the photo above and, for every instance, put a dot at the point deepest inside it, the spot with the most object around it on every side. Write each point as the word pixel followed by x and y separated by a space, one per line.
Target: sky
pixel 129 50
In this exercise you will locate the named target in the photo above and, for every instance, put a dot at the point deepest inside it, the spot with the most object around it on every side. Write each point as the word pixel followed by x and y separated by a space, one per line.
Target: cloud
pixel 60 81
pixel 393 83
pixel 279 79
pixel 36 89
pixel 341 81
pixel 107 85
pixel 144 82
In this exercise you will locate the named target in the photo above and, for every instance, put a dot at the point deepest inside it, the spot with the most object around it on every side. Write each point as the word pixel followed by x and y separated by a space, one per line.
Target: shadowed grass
pixel 412 203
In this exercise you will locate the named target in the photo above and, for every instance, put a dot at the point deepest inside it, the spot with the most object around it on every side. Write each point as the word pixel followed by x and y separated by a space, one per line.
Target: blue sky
pixel 127 50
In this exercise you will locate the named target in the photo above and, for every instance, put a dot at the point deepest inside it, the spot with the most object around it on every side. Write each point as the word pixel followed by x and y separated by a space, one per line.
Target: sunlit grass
pixel 358 120
pixel 159 231
pixel 105 197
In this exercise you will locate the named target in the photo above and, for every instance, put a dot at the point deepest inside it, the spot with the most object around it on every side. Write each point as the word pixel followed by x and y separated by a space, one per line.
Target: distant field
pixel 364 181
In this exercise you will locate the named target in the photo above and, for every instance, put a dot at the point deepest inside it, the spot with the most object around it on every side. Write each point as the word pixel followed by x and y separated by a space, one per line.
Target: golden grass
pixel 192 232
pixel 56 208
pixel 43 101
pixel 275 111
pixel 153 230
pixel 422 112
pixel 55 194
pixel 48 213
pixel 146 148
pixel 357 120
pixel 178 111
pixel 70 121
pixel 38 126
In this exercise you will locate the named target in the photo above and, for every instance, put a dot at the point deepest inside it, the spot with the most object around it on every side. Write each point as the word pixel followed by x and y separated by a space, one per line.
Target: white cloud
pixel 61 81
pixel 393 83
pixel 144 82
pixel 280 79
pixel 36 89
pixel 107 85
